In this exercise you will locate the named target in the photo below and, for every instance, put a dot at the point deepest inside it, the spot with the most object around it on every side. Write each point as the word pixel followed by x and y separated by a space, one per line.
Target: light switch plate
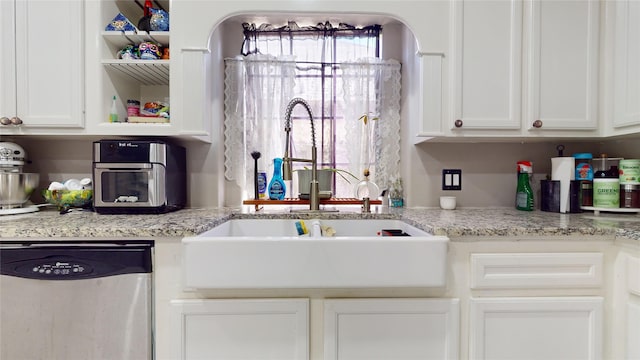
pixel 451 179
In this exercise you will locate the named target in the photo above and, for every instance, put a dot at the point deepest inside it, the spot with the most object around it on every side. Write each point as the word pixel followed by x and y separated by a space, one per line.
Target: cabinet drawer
pixel 536 270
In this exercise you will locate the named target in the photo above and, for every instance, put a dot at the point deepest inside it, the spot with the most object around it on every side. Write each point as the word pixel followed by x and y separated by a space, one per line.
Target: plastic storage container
pixel 606 187
pixel 629 171
pixel 584 174
pixel 630 196
pixel 584 169
pixel 586 193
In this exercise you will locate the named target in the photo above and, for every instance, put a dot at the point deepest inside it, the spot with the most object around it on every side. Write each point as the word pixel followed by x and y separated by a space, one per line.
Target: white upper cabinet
pixel 626 67
pixel 486 69
pixel 42 66
pixel 562 71
pixel 524 68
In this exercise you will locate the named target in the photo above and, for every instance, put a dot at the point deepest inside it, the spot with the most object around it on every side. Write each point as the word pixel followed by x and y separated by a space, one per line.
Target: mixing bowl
pixel 16 187
pixel 65 199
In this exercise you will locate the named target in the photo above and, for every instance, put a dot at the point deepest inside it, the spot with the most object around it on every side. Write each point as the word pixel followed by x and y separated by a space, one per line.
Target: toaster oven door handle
pixel 123 165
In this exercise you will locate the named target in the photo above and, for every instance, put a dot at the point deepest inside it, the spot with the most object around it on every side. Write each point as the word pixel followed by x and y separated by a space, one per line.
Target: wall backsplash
pixel 488 169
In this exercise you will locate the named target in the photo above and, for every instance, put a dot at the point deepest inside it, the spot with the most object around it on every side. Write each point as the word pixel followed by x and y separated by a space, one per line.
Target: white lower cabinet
pixel 536 328
pixel 279 329
pixel 391 329
pixel 633 328
pixel 275 329
pixel 632 298
pixel 563 320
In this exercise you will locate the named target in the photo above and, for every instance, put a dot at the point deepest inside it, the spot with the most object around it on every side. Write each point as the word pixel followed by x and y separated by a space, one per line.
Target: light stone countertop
pixel 460 223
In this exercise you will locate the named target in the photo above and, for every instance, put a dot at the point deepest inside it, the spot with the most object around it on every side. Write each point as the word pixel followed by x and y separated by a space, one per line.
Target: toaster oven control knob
pixel 16 120
pixel 5 120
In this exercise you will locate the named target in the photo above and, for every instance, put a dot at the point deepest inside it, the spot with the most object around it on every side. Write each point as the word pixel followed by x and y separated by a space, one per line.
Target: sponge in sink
pixel 301 227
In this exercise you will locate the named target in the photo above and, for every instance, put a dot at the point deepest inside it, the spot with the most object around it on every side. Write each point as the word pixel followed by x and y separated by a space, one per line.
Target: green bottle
pixel 524 193
pixel 277 188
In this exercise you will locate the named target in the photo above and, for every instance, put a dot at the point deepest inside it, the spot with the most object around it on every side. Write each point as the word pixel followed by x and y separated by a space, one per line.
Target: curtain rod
pixel 293 27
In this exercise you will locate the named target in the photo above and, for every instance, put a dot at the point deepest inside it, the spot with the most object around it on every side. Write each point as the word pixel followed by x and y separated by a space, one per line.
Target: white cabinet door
pixel 536 328
pixel 632 295
pixel 274 329
pixel 626 68
pixel 7 59
pixel 633 327
pixel 48 89
pixel 486 71
pixel 391 329
pixel 562 72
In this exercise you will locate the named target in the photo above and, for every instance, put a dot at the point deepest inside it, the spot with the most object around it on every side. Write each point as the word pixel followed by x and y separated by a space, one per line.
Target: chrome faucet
pixel 314 189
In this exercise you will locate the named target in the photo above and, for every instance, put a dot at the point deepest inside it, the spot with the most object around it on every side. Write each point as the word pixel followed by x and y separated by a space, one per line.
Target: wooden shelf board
pixel 294 201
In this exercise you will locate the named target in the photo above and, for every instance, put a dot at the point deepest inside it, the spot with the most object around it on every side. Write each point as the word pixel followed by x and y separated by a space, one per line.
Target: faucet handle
pixel 366 205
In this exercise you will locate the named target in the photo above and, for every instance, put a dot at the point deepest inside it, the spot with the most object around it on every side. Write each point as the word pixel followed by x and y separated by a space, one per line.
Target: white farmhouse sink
pixel 259 254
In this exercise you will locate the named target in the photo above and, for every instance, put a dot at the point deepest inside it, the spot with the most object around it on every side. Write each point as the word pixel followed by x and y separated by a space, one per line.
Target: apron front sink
pixel 268 254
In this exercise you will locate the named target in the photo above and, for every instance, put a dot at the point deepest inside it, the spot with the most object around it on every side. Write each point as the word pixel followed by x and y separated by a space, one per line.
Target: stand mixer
pixel 15 185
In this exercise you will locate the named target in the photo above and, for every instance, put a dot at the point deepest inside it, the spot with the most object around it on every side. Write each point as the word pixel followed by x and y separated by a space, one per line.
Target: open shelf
pixel 123 38
pixel 146 72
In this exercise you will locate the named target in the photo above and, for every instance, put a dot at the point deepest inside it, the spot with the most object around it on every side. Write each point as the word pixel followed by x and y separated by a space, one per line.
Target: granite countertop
pixel 459 223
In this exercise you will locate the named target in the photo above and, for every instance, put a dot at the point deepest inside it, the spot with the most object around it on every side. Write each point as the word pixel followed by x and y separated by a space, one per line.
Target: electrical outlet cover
pixel 451 179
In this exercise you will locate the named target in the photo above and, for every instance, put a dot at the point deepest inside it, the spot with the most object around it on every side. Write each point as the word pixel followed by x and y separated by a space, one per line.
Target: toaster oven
pixel 138 177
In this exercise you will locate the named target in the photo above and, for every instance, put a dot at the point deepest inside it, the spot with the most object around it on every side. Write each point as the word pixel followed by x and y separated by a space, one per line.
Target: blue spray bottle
pixel 277 188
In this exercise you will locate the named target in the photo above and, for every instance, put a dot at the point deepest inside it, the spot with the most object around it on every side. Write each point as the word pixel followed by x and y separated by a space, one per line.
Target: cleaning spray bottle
pixel 277 188
pixel 524 193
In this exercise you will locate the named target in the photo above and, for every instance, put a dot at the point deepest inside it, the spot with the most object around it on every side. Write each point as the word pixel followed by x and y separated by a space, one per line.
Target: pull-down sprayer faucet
pixel 314 190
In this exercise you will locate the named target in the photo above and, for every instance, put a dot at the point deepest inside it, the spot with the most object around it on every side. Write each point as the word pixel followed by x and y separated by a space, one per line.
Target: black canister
pixel 550 196
pixel 575 197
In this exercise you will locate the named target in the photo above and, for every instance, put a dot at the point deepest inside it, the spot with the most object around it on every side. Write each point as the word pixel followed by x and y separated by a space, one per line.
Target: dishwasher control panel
pixel 59 268
pixel 75 260
pixel 52 269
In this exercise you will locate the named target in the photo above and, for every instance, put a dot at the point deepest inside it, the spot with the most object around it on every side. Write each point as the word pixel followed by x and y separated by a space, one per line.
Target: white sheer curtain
pixel 257 90
pixel 371 88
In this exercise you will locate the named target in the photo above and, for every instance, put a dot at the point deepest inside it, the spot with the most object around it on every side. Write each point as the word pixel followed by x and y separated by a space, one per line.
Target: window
pixel 311 61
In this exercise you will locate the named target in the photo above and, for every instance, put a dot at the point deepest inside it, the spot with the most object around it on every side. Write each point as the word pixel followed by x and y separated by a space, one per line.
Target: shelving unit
pixel 146 72
pixel 142 80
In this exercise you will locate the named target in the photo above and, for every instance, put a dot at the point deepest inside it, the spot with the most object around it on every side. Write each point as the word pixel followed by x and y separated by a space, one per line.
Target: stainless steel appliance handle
pixel 123 165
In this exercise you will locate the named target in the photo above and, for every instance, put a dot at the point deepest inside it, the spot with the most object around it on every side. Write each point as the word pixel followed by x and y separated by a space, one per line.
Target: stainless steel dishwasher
pixel 76 300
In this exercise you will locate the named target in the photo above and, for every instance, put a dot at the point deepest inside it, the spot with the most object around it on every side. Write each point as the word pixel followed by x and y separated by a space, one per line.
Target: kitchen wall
pixel 488 169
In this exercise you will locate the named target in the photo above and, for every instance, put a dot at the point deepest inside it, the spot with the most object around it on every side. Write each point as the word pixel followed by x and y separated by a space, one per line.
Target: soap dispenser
pixel 277 187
